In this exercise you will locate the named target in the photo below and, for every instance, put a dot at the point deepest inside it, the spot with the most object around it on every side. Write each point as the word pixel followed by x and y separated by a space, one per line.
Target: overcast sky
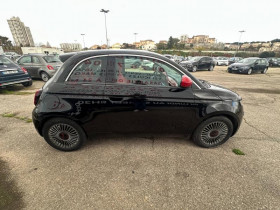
pixel 59 21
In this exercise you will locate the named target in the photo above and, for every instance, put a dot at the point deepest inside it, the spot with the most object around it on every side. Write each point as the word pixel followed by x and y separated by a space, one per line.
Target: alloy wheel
pixel 214 132
pixel 63 135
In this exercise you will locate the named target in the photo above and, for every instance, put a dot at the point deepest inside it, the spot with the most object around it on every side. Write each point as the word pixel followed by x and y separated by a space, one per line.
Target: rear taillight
pixel 50 67
pixel 24 70
pixel 37 96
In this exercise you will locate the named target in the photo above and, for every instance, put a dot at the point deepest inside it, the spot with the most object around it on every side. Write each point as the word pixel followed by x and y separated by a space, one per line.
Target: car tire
pixel 27 84
pixel 249 71
pixel 264 71
pixel 63 134
pixel 229 71
pixel 211 68
pixel 194 69
pixel 213 132
pixel 44 76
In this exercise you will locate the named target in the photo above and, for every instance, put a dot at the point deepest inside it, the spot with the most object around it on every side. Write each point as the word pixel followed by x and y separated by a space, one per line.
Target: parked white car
pixel 221 61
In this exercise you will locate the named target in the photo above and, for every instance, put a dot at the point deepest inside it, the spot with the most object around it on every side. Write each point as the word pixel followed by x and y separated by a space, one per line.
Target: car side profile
pixel 222 61
pixel 249 66
pixel 199 63
pixel 11 73
pixel 96 92
pixel 40 65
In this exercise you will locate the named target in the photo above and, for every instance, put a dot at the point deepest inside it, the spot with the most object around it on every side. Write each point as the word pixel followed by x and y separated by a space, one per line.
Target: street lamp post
pixel 135 34
pixel 105 11
pixel 83 35
pixel 239 41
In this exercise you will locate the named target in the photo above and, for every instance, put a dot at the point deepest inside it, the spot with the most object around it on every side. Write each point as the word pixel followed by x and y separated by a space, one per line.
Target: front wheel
pixel 249 71
pixel 264 71
pixel 63 134
pixel 213 132
pixel 194 69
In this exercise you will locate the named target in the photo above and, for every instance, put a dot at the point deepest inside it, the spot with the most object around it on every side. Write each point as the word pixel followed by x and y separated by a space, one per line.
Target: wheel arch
pixel 49 117
pixel 233 120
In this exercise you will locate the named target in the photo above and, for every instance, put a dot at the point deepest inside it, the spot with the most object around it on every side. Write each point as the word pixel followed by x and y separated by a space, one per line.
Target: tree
pixel 5 42
pixel 275 40
pixel 176 42
pixel 267 54
pixel 170 43
pixel 161 46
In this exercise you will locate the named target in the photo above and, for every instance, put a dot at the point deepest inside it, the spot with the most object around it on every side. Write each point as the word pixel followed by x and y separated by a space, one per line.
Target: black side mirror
pixel 257 63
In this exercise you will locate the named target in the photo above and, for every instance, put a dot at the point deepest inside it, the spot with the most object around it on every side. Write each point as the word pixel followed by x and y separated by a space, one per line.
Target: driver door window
pixel 142 71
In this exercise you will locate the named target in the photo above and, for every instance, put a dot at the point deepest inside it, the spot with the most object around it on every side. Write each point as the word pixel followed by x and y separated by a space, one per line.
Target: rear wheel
pixel 213 132
pixel 45 77
pixel 63 134
pixel 27 84
pixel 211 68
pixel 264 71
pixel 249 71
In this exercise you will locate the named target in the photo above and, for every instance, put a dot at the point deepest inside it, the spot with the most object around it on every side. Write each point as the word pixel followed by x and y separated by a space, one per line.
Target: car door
pixel 147 100
pixel 202 63
pixel 36 66
pixel 26 63
pixel 84 89
pixel 258 65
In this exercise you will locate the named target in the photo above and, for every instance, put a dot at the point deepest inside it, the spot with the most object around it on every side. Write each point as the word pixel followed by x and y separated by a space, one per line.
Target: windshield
pixel 51 59
pixel 248 60
pixel 195 59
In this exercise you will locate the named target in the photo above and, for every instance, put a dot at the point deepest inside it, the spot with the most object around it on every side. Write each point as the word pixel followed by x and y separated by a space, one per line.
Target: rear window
pixel 51 59
pixel 5 61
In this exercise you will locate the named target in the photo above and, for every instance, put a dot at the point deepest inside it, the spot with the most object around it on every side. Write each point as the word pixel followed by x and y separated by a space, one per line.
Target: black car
pixel 273 62
pixel 199 63
pixel 11 73
pixel 249 66
pixel 94 91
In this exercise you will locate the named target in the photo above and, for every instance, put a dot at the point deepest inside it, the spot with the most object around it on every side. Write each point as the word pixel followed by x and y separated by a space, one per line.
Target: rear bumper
pixel 6 83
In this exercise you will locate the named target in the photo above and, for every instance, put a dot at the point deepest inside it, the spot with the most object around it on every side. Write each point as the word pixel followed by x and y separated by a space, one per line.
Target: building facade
pixel 147 44
pixel 201 39
pixel 21 34
pixel 70 47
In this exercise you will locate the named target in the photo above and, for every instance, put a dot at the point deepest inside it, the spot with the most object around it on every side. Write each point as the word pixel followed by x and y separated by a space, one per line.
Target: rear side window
pixel 141 71
pixel 91 70
pixel 26 59
pixel 51 59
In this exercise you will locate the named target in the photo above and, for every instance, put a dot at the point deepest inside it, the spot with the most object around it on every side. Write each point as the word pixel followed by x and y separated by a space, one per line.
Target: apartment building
pixel 21 34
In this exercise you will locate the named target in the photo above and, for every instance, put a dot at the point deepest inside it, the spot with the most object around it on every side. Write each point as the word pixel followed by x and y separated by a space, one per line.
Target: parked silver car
pixel 40 65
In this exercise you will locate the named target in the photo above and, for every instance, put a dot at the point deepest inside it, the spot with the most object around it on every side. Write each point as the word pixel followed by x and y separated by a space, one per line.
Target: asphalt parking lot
pixel 152 172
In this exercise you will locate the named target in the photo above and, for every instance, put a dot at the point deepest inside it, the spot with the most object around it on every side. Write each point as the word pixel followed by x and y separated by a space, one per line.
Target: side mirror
pixel 256 63
pixel 185 82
